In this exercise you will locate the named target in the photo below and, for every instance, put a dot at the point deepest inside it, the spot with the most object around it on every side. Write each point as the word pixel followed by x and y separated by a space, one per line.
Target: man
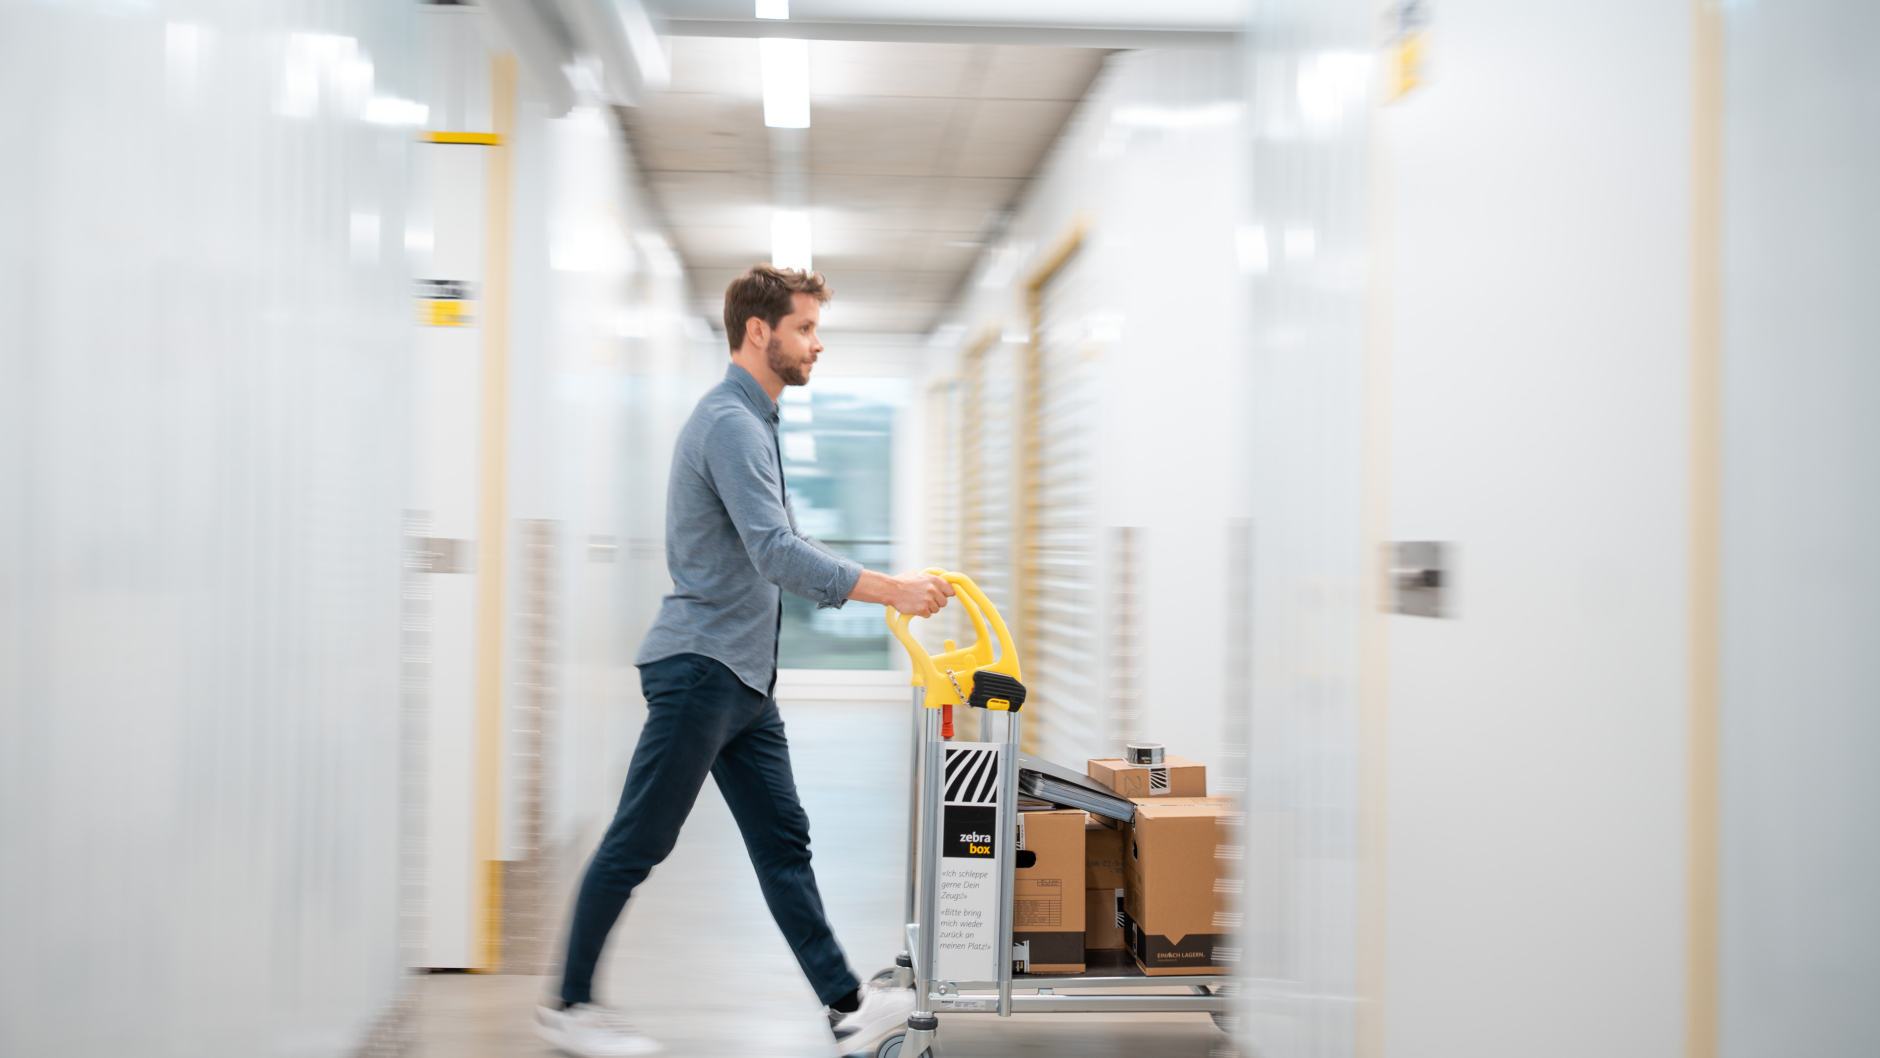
pixel 708 668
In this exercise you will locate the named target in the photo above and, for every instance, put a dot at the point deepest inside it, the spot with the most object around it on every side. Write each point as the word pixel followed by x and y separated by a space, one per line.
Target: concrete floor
pixel 698 964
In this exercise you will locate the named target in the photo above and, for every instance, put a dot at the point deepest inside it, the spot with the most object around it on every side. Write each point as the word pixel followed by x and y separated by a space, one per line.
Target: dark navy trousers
pixel 701 718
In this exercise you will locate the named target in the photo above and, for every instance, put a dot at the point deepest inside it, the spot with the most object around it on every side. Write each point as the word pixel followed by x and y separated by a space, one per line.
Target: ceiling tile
pixel 699 132
pixel 716 65
pixel 704 198
pixel 839 250
pixel 878 136
pixel 1008 137
pixel 953 258
pixel 980 196
pixel 929 206
pixel 852 68
pixel 1039 73
pixel 728 244
pixel 898 197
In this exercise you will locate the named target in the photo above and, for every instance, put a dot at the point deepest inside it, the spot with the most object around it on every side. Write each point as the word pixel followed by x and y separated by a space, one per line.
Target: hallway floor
pixel 700 966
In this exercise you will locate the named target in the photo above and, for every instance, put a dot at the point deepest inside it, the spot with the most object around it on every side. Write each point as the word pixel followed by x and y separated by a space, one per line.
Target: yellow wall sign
pixel 446 313
pixel 1406 23
pixel 446 303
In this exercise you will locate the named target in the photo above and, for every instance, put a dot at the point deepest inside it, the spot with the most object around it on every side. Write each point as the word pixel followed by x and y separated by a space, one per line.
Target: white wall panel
pixel 203 311
pixel 1535 246
pixel 1303 248
pixel 1801 493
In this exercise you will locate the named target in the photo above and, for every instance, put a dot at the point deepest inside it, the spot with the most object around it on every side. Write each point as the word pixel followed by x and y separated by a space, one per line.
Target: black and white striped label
pixel 1158 780
pixel 972 775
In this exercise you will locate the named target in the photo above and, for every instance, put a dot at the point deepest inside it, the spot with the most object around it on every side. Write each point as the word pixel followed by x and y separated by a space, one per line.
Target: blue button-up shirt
pixel 732 540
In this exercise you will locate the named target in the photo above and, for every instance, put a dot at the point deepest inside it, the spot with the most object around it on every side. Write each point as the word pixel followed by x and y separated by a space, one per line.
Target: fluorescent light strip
pixel 786 82
pixel 789 239
pixel 773 8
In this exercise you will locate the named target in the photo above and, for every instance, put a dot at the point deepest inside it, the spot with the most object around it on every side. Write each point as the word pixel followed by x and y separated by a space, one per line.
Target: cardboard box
pixel 1174 777
pixel 1172 912
pixel 1103 919
pixel 1048 890
pixel 1103 855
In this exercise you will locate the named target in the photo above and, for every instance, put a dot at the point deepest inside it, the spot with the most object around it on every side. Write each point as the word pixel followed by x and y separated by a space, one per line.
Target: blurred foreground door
pixel 446 873
pixel 446 391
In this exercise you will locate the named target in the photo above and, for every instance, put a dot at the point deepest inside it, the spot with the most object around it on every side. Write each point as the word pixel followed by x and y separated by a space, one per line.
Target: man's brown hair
pixel 765 292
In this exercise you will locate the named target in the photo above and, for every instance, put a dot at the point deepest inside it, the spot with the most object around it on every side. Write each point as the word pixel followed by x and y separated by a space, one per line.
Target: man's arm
pixel 737 459
pixel 920 594
pixel 739 468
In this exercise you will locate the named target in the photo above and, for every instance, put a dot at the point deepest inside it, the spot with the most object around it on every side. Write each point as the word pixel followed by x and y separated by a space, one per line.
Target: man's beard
pixel 793 374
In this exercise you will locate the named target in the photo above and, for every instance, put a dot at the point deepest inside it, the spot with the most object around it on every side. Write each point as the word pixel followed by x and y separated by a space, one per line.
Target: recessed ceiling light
pixel 789 239
pixel 786 82
pixel 773 8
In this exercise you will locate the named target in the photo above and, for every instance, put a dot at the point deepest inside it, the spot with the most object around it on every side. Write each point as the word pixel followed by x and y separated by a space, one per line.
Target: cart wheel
pixel 891 1047
pixel 1225 1022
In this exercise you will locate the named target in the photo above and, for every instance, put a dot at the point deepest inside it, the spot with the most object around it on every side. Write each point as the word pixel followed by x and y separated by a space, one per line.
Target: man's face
pixel 794 346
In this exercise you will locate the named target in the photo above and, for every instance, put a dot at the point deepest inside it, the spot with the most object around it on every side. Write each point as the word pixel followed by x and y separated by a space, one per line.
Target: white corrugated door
pixel 1061 541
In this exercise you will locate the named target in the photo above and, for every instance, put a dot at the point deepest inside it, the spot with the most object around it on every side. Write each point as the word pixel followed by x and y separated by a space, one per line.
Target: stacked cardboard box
pixel 1174 777
pixel 1048 891
pixel 1172 911
pixel 1103 885
pixel 1172 903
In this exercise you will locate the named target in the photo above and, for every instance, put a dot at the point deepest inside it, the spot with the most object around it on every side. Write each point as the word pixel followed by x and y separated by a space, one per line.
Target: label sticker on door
pixel 446 303
pixel 971 855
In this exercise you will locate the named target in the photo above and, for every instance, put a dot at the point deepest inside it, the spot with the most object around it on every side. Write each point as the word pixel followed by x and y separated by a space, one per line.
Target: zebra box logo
pixel 969 831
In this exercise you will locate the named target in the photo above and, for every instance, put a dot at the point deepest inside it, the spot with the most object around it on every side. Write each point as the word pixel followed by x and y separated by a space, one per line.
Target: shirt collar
pixel 754 394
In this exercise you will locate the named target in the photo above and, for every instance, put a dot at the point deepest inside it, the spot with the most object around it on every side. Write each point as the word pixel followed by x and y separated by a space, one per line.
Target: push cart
pixel 960 958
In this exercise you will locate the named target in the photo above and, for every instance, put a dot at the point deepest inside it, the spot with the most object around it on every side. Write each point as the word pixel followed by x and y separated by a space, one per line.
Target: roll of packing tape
pixel 1143 752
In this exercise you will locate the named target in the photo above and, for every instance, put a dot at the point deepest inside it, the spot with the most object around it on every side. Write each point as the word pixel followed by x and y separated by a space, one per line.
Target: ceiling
pixel 915 154
pixel 1162 14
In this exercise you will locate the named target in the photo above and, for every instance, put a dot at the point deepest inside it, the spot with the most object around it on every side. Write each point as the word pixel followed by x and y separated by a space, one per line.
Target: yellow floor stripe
pixel 486 139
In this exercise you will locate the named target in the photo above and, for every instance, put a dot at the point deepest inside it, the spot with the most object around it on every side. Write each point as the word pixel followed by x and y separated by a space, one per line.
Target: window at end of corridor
pixel 837 436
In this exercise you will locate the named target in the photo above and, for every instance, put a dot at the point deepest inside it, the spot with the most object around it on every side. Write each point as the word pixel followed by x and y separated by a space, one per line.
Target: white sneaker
pixel 883 1012
pixel 592 1031
pixel 887 980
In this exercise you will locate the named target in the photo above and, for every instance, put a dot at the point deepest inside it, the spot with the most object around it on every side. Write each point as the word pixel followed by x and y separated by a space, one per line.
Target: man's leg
pixel 690 712
pixel 753 772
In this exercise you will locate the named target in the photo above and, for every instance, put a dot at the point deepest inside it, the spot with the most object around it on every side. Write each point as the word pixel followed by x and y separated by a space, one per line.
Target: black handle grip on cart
pixel 995 690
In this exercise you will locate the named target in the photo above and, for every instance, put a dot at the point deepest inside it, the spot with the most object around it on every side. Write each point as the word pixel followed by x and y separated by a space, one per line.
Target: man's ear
pixel 757 331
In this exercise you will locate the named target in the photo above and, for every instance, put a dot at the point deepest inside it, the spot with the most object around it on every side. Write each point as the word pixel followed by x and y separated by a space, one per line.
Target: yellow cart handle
pixel 931 671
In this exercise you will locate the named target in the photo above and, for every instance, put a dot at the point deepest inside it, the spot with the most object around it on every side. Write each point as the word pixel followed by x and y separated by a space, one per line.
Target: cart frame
pixel 1041 993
